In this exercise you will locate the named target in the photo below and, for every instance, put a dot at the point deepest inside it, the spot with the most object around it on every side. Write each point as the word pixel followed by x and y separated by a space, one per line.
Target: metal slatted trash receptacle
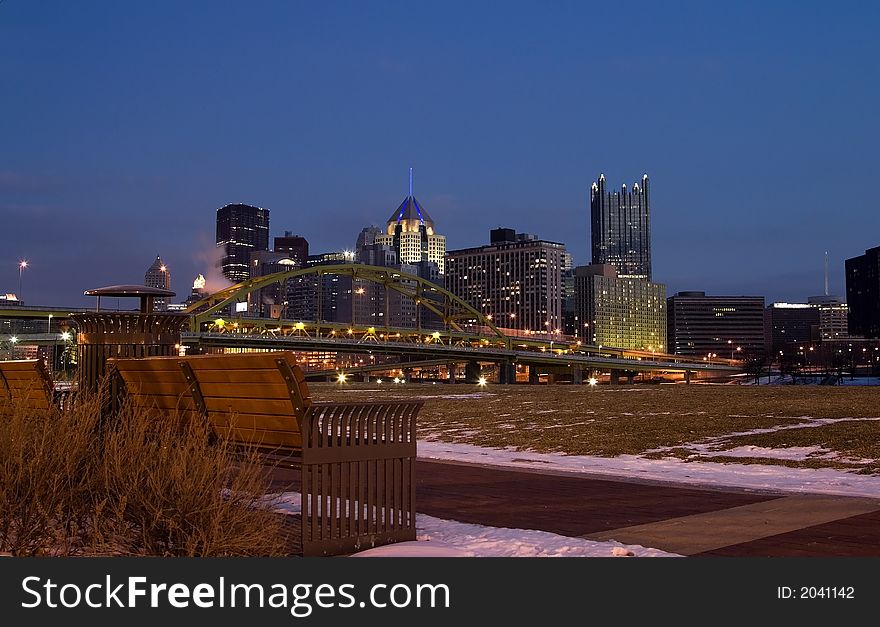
pixel 124 334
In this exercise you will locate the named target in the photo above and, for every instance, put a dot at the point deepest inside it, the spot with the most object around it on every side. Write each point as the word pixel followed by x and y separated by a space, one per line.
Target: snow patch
pixel 669 469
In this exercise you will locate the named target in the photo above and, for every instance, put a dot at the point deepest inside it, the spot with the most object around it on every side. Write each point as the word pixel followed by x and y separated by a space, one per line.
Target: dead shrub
pixel 142 483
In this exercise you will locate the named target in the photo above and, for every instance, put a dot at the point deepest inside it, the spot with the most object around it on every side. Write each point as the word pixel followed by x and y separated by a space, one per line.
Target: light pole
pixel 65 336
pixel 21 266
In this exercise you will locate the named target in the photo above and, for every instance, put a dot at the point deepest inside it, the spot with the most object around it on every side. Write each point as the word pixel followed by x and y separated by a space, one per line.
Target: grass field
pixel 800 426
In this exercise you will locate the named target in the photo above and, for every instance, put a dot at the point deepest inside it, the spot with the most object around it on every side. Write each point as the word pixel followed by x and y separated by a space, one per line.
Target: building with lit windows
pixel 516 279
pixel 789 324
pixel 158 275
pixel 622 312
pixel 620 228
pixel 833 314
pixel 410 232
pixel 863 293
pixel 698 325
pixel 241 230
pixel 295 247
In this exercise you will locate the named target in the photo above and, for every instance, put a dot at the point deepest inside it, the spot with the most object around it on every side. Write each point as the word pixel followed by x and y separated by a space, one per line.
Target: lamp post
pixel 65 336
pixel 21 266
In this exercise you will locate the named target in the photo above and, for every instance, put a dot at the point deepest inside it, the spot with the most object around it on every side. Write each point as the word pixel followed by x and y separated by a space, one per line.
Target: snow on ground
pixel 795 453
pixel 715 445
pixel 449 538
pixel 668 469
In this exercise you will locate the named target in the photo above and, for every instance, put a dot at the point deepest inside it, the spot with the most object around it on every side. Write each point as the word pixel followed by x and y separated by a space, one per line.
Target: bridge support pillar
pixel 452 369
pixel 407 374
pixel 471 372
pixel 533 375
pixel 630 377
pixel 506 373
pixel 577 375
pixel 687 376
pixel 615 377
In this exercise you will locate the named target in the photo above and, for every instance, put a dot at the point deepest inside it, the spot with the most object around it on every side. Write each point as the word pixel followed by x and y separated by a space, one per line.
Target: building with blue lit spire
pixel 410 232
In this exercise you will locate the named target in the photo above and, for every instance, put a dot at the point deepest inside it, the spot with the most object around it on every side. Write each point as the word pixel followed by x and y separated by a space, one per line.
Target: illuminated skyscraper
pixel 621 228
pixel 410 232
pixel 158 275
pixel 516 279
pixel 620 312
pixel 241 230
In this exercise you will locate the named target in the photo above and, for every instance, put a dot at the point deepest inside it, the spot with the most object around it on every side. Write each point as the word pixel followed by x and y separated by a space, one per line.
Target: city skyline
pixel 324 110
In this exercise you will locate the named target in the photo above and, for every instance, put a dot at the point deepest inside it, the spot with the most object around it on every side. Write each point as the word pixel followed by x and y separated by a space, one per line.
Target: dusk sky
pixel 125 125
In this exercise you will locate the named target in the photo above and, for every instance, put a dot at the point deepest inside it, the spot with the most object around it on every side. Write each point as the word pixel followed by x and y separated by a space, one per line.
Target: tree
pixel 754 366
pixel 839 363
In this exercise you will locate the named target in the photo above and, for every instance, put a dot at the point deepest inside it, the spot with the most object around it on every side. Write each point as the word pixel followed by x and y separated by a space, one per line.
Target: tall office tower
pixel 621 228
pixel 786 324
pixel 158 275
pixel 516 279
pixel 241 229
pixel 863 293
pixel 619 312
pixel 410 231
pixel 700 324
pixel 294 247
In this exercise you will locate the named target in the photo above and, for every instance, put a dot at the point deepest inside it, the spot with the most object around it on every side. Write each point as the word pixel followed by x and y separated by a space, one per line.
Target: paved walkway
pixel 676 518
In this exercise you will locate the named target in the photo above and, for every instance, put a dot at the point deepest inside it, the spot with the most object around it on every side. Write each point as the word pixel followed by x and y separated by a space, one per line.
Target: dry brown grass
pixel 140 484
pixel 636 420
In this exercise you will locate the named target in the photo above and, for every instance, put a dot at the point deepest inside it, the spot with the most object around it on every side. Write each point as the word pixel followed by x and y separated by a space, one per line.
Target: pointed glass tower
pixel 410 231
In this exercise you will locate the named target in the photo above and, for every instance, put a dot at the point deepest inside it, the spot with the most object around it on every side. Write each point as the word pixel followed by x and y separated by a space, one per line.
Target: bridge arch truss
pixel 453 312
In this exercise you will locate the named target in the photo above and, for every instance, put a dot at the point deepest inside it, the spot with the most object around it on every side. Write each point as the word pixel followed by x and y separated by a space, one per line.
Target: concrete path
pixel 699 533
pixel 680 518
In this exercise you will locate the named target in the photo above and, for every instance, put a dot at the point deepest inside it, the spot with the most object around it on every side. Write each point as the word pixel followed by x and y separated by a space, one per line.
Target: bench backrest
pixel 156 384
pixel 255 398
pixel 26 383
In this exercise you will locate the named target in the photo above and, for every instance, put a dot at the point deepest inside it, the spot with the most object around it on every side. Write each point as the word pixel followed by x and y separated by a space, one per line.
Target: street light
pixel 21 266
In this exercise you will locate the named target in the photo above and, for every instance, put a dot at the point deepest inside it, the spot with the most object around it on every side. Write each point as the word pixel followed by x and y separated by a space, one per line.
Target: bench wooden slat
pixel 239 360
pixel 163 402
pixel 276 390
pixel 260 437
pixel 148 364
pixel 21 375
pixel 238 375
pixel 155 376
pixel 28 365
pixel 147 387
pixel 251 405
pixel 254 421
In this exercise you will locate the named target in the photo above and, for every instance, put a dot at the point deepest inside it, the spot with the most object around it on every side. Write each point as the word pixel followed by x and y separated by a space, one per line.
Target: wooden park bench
pixel 26 384
pixel 357 458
